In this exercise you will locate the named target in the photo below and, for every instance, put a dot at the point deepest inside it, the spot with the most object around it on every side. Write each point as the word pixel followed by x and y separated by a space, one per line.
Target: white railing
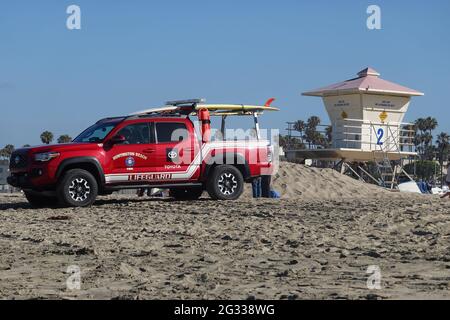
pixel 373 136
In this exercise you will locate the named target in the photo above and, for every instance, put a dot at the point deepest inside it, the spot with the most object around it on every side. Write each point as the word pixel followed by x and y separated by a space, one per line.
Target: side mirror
pixel 118 139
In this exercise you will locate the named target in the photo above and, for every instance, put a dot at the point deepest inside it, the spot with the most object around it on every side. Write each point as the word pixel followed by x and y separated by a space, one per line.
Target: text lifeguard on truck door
pixel 145 177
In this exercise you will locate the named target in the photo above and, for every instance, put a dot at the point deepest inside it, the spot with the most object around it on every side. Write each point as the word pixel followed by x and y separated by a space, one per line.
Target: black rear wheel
pixel 77 188
pixel 192 193
pixel 225 183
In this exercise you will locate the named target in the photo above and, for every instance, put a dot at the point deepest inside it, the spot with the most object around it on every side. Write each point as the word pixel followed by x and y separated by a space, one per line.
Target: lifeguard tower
pixel 366 116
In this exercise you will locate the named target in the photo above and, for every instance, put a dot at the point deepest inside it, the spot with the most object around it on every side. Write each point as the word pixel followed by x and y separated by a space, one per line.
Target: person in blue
pixel 422 186
pixel 275 194
pixel 261 188
pixel 265 186
pixel 256 187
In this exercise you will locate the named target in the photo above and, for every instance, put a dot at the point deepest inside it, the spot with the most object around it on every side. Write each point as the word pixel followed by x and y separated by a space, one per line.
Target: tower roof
pixel 368 81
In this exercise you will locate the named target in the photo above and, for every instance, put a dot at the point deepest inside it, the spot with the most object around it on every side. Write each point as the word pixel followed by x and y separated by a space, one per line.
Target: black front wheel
pixel 225 183
pixel 77 188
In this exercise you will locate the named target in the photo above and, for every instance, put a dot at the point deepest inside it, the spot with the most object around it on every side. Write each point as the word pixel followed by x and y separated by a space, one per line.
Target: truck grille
pixel 18 160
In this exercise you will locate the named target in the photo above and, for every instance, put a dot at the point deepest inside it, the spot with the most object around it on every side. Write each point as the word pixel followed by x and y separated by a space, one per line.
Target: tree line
pixel 47 137
pixel 309 136
pixel 423 140
pixel 430 148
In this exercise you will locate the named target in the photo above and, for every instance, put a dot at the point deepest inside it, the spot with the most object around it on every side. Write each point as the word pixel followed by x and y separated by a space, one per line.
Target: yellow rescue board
pixel 216 109
pixel 234 113
pixel 234 107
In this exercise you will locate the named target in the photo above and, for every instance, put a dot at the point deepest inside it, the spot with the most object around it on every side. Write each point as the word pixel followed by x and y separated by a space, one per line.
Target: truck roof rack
pixel 185 102
pixel 157 115
pixel 111 119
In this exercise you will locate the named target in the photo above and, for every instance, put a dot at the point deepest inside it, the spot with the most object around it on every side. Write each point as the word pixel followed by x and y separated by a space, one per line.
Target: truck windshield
pixel 97 132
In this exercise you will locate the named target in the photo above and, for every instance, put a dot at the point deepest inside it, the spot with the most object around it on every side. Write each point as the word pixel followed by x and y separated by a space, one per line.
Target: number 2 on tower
pixel 380 135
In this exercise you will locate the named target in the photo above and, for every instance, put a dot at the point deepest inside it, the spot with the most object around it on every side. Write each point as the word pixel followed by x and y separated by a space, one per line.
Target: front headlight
pixel 46 156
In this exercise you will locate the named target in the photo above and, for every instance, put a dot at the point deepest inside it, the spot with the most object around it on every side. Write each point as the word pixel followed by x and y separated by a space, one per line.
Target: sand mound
pixel 302 182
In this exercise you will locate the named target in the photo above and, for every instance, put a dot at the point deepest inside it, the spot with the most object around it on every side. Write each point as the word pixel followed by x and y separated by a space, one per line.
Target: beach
pixel 316 242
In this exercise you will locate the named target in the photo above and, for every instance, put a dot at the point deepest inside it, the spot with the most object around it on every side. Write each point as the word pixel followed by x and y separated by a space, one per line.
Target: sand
pixel 295 181
pixel 315 243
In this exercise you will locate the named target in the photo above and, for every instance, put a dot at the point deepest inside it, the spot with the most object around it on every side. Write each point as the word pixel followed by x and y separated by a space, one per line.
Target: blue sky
pixel 130 55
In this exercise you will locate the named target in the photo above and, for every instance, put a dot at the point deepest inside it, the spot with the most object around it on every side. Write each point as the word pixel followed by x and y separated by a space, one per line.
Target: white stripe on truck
pixel 189 172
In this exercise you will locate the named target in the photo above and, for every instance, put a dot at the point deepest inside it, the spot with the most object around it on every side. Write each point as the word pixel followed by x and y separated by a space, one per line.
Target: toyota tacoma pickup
pixel 152 149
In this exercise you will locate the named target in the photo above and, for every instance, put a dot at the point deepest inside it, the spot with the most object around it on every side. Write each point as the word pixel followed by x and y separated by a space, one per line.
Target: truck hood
pixel 63 147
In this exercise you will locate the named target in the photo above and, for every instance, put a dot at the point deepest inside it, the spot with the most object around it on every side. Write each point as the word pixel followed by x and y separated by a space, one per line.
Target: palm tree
pixel 431 124
pixel 7 151
pixel 311 130
pixel 427 139
pixel 418 143
pixel 300 126
pixel 282 141
pixel 313 121
pixel 443 141
pixel 329 134
pixel 46 137
pixel 320 140
pixel 424 136
pixel 420 125
pixel 443 149
pixel 65 138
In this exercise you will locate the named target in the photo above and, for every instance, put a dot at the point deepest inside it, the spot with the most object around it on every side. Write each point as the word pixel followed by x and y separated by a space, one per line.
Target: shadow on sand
pixel 26 206
pixel 15 206
pixel 144 199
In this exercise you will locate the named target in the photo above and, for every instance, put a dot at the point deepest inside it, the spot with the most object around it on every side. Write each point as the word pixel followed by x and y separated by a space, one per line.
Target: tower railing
pixel 371 136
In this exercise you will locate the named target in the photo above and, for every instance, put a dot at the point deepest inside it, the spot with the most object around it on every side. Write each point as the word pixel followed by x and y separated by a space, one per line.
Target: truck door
pixel 176 150
pixel 132 158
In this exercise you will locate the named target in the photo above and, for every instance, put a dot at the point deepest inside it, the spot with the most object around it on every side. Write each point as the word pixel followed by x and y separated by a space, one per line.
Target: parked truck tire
pixel 37 200
pixel 77 188
pixel 225 183
pixel 192 193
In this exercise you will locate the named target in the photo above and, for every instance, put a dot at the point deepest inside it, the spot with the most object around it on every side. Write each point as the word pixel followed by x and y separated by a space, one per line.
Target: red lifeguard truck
pixel 155 148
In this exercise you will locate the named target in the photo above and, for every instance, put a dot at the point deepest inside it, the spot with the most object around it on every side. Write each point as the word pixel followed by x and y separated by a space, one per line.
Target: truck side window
pixel 138 133
pixel 171 132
